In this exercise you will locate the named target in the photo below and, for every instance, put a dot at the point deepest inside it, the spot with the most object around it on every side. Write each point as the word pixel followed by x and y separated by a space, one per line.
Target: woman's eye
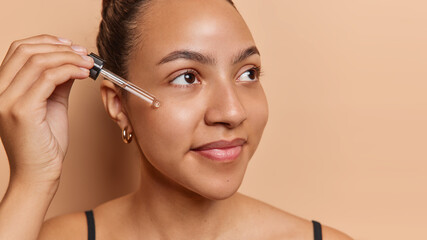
pixel 187 78
pixel 250 76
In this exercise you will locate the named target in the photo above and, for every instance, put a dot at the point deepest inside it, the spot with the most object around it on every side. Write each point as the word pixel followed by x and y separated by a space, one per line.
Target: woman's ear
pixel 114 105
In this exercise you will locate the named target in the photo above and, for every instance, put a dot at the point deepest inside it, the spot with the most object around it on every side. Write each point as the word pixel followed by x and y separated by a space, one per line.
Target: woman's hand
pixel 35 81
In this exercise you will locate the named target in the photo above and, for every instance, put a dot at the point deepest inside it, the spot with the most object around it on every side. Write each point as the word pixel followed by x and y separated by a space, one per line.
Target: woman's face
pixel 199 59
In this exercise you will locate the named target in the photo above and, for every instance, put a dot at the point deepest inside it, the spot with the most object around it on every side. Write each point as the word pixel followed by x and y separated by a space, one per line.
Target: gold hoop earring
pixel 126 136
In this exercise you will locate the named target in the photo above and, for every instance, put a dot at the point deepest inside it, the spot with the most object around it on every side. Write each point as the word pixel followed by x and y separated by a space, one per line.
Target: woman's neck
pixel 169 211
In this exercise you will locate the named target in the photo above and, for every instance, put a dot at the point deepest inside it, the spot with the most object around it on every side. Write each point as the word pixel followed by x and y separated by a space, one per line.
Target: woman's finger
pixel 38 65
pixel 39 39
pixel 48 97
pixel 24 52
pixel 42 89
pixel 48 82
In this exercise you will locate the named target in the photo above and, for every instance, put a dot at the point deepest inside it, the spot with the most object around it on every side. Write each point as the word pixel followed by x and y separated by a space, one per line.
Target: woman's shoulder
pixel 74 225
pixel 283 225
pixel 68 226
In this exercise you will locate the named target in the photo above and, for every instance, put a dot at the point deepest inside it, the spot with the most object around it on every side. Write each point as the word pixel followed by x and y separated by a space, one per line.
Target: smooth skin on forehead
pixel 213 27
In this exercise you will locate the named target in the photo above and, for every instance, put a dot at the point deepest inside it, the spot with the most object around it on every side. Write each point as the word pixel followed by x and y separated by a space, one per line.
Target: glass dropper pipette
pixel 98 68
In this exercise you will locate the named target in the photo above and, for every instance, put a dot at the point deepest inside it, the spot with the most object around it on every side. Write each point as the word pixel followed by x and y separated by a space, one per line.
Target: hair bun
pixel 116 36
pixel 107 3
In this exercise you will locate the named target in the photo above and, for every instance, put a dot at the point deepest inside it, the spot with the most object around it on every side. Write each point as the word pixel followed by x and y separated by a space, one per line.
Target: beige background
pixel 347 136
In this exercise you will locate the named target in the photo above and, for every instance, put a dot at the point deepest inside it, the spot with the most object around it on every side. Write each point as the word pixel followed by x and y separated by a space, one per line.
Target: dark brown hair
pixel 118 32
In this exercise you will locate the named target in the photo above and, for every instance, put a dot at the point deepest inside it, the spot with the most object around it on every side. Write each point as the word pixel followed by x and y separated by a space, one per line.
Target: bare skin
pixel 34 88
pixel 183 194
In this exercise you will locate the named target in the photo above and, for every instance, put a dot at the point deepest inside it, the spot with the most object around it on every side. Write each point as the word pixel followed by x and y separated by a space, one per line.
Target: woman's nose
pixel 225 107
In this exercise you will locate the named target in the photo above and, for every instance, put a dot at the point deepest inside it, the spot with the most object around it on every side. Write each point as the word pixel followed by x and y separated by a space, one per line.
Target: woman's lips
pixel 221 150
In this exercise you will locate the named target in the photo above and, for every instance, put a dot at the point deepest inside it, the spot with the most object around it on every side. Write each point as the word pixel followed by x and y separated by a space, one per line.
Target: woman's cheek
pixel 165 137
pixel 260 114
pixel 257 111
pixel 167 130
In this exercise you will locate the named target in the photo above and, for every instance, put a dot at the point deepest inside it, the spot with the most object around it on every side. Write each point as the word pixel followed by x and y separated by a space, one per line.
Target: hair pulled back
pixel 118 31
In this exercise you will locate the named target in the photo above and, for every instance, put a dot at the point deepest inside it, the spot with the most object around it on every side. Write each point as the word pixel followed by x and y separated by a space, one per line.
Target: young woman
pixel 200 60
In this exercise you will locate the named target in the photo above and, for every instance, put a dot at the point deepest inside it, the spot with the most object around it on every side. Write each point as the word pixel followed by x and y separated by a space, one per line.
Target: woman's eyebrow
pixel 187 54
pixel 245 54
pixel 206 59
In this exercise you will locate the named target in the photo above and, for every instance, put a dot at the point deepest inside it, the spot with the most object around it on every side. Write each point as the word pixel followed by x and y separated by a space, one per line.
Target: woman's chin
pixel 220 191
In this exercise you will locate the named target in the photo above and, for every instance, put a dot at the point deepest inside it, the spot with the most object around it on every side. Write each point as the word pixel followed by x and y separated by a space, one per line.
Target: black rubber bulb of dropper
pixel 97 66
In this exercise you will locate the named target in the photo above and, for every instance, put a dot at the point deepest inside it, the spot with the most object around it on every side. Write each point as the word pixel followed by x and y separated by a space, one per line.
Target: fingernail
pixel 87 58
pixel 85 70
pixel 64 40
pixel 79 49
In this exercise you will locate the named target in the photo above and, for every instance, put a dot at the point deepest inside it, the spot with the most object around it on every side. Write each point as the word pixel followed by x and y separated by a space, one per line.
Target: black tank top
pixel 317 227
